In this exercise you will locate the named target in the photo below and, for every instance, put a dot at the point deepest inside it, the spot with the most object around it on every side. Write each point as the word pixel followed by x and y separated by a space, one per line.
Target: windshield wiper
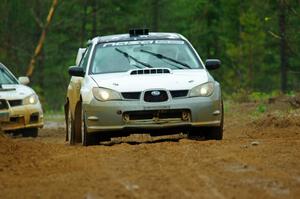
pixel 160 56
pixel 133 58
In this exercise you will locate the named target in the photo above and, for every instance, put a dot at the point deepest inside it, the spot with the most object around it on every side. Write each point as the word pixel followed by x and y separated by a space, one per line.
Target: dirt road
pixel 258 158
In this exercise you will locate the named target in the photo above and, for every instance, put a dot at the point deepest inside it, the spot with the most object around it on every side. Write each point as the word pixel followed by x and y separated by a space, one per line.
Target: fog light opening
pixel 126 117
pixel 185 116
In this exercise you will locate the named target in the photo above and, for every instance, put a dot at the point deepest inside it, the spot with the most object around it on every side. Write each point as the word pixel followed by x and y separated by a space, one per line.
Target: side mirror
pixel 24 80
pixel 212 64
pixel 76 71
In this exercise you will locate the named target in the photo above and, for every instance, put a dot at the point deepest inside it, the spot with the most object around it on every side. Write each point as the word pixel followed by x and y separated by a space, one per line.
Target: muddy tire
pixel 89 139
pixel 30 132
pixel 196 133
pixel 214 133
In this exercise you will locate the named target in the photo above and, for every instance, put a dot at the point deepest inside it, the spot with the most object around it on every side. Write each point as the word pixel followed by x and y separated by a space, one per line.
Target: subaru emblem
pixel 155 93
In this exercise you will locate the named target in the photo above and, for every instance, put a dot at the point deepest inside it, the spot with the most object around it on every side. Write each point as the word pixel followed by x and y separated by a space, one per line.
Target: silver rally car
pixel 20 109
pixel 142 82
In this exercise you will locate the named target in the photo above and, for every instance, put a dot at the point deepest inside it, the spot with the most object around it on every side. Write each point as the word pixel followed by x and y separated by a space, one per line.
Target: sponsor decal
pixel 142 42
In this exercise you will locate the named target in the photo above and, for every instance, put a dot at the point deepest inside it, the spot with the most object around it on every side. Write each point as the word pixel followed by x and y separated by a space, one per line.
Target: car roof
pixel 127 37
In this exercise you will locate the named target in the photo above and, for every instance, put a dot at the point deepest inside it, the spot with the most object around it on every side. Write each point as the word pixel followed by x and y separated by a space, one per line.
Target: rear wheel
pixel 30 132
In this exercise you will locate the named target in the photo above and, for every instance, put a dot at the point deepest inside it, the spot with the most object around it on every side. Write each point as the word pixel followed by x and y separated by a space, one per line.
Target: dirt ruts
pixel 258 158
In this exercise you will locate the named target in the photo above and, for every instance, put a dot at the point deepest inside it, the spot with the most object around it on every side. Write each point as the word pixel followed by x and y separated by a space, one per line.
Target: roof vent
pixel 150 71
pixel 138 32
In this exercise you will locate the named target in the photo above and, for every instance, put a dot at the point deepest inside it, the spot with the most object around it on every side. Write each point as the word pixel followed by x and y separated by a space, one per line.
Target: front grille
pixel 131 95
pixel 158 114
pixel 3 104
pixel 155 96
pixel 16 119
pixel 15 102
pixel 179 93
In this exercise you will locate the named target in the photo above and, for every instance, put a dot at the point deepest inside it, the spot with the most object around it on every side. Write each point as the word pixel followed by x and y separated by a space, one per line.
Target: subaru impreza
pixel 20 108
pixel 142 82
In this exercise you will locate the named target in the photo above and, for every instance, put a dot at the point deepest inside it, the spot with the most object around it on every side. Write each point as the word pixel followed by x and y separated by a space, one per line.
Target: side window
pixel 84 60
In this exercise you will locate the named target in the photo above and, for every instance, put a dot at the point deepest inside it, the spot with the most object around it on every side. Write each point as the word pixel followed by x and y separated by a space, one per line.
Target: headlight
pixel 104 94
pixel 31 99
pixel 203 90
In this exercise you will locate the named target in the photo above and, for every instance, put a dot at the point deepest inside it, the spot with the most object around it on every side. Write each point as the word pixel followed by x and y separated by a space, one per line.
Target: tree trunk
pixel 283 44
pixel 40 44
pixel 39 77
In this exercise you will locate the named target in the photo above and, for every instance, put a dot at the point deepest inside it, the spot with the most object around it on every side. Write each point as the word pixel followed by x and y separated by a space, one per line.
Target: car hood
pixel 15 91
pixel 176 80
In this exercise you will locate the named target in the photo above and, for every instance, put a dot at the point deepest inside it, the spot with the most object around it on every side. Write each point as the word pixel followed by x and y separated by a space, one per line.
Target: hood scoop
pixel 150 71
pixel 7 89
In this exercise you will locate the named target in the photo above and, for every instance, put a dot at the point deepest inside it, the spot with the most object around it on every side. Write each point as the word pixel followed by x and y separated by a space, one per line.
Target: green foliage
pixel 259 111
pixel 261 108
pixel 242 96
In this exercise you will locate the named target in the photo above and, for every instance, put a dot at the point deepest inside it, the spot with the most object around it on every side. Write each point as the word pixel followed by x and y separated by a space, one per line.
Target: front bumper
pixel 20 117
pixel 123 115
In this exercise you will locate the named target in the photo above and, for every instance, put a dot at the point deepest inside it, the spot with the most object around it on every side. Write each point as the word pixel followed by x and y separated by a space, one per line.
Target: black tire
pixel 89 139
pixel 196 133
pixel 216 132
pixel 30 132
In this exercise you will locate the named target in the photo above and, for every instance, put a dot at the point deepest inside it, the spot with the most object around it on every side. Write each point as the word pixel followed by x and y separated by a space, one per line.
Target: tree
pixel 283 43
pixel 40 44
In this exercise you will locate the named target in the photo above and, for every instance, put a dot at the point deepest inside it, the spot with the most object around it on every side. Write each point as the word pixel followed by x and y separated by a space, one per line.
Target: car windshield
pixel 129 55
pixel 6 78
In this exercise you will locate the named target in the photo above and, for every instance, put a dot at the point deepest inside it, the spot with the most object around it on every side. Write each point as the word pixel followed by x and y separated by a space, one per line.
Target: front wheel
pixel 209 133
pixel 216 132
pixel 87 139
